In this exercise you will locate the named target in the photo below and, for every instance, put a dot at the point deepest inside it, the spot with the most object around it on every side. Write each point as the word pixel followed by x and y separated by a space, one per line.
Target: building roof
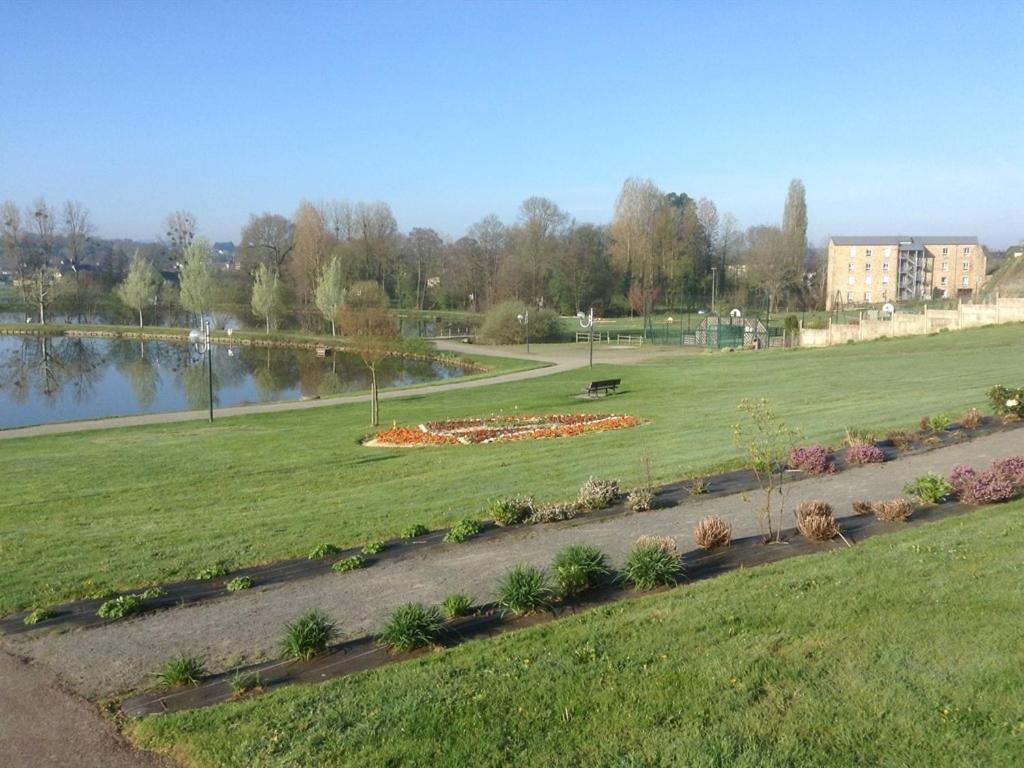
pixel 897 239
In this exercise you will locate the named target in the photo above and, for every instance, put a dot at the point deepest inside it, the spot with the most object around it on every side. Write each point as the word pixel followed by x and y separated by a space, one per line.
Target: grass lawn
pixel 126 507
pixel 904 651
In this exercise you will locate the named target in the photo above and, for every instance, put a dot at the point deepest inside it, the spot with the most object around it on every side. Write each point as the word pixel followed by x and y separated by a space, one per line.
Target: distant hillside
pixel 1008 280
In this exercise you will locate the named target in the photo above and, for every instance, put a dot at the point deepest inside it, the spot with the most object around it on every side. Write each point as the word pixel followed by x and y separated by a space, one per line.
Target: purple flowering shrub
pixel 961 476
pixel 865 453
pixel 1010 469
pixel 815 459
pixel 988 487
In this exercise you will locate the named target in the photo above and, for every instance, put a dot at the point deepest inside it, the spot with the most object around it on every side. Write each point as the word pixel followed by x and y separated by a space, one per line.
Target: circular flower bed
pixel 501 429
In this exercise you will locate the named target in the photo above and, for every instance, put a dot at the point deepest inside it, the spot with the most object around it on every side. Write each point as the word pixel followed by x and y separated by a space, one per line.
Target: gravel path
pixel 247 626
pixel 42 725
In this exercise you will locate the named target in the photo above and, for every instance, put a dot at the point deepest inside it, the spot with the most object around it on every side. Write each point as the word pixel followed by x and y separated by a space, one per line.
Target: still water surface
pixel 47 379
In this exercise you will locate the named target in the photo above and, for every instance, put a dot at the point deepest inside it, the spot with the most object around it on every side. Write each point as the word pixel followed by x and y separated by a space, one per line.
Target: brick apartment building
pixel 873 270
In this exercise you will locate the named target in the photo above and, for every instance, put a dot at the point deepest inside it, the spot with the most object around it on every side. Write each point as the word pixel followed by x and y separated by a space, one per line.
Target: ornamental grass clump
pixel 640 500
pixel 513 510
pixel 597 494
pixel 456 605
pixel 698 486
pixel 307 636
pixel 929 488
pixel 712 532
pixel 182 670
pixel 901 439
pixel 813 459
pixel 859 436
pixel 412 626
pixel 579 567
pixel 244 682
pixel 653 562
pixel 463 531
pixel 865 453
pixel 893 510
pixel 524 589
pixel 119 607
pixel 863 507
pixel 551 513
pixel 814 520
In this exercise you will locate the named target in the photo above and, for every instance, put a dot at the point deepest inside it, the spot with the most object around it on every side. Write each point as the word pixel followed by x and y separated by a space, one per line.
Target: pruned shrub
pixel 893 510
pixel 597 494
pixel 152 593
pixel 859 436
pixel 512 510
pixel 214 571
pixel 462 531
pixel 971 419
pixel 640 500
pixel 323 550
pixel 38 615
pixel 960 477
pixel 182 670
pixel 551 513
pixel 698 486
pixel 814 459
pixel 414 531
pixel 865 453
pixel 374 547
pixel 863 507
pixel 1011 469
pixel 712 532
pixel 936 424
pixel 579 567
pixel 456 605
pixel 412 626
pixel 239 584
pixel 244 682
pixel 653 562
pixel 501 324
pixel 901 439
pixel 988 487
pixel 352 563
pixel 524 589
pixel 814 520
pixel 307 636
pixel 1006 401
pixel 119 607
pixel 929 488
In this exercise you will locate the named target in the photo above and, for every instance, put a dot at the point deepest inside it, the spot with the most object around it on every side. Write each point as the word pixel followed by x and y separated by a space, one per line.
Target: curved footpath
pixel 247 626
pixel 556 360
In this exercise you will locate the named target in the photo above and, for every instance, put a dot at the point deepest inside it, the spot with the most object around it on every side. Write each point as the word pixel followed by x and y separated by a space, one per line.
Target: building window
pixel 885 266
pixel 887 252
pixel 945 266
pixel 850 269
pixel 867 296
pixel 945 251
pixel 853 251
pixel 967 251
pixel 867 253
pixel 851 280
pixel 943 281
pixel 966 282
pixel 867 266
pixel 885 279
pixel 967 266
pixel 849 297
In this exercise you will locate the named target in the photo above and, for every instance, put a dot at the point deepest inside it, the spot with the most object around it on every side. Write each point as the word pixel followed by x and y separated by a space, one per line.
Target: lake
pixel 46 379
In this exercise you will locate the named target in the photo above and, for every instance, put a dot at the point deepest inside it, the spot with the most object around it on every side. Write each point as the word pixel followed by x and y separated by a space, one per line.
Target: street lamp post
pixel 196 336
pixel 524 319
pixel 714 286
pixel 587 321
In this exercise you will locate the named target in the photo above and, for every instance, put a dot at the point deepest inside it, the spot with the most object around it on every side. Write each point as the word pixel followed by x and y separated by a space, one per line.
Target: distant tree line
pixel 660 251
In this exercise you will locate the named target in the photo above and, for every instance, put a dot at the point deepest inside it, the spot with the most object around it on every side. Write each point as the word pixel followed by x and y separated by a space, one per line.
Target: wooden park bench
pixel 605 385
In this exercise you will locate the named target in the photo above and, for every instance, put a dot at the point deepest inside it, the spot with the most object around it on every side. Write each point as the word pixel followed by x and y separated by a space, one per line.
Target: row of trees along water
pixel 660 250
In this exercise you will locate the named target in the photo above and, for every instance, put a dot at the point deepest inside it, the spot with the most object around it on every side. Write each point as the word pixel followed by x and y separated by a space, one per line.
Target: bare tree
pixel 78 228
pixel 491 236
pixel 11 231
pixel 634 235
pixel 313 244
pixel 772 266
pixel 371 334
pixel 180 231
pixel 425 253
pixel 542 225
pixel 38 276
pixel 267 239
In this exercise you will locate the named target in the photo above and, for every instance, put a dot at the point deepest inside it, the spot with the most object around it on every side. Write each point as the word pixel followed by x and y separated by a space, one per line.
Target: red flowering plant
pixel 503 429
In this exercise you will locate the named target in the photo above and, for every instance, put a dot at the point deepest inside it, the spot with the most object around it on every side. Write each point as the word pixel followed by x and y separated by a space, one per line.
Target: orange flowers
pixel 503 429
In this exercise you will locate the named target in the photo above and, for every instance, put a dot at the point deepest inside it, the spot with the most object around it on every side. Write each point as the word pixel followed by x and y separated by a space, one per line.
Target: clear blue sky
pixel 901 117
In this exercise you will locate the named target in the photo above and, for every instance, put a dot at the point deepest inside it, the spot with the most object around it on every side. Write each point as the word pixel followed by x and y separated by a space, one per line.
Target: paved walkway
pixel 558 358
pixel 247 626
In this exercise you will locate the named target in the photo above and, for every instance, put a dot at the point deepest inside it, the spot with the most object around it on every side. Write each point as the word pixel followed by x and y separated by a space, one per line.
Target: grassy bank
pixel 126 507
pixel 901 651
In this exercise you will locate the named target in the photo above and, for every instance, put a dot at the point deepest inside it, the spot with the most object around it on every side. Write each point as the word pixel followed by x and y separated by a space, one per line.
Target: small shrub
pixel 511 511
pixel 579 567
pixel 552 513
pixel 971 419
pixel 456 605
pixel 960 477
pixel 858 436
pixel 307 636
pixel 412 626
pixel 863 507
pixel 988 487
pixel 814 459
pixel 698 486
pixel 214 571
pixel 153 593
pixel 653 562
pixel 119 607
pixel 353 563
pixel 183 670
pixel 239 583
pixel 865 453
pixel 1006 401
pixel 323 550
pixel 243 682
pixel 812 507
pixel 814 520
pixel 501 324
pixel 929 488
pixel 712 532
pixel 39 615
pixel 414 531
pixel 597 494
pixel 524 589
pixel 640 500
pixel 1011 469
pixel 936 424
pixel 893 510
pixel 901 439
pixel 374 547
pixel 462 531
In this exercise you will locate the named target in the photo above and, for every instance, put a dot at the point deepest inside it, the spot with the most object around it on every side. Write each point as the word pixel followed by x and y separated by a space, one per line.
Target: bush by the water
pixel 501 324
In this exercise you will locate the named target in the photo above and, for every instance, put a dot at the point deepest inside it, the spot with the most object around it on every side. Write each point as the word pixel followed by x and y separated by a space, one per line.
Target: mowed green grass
pixel 127 507
pixel 903 651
